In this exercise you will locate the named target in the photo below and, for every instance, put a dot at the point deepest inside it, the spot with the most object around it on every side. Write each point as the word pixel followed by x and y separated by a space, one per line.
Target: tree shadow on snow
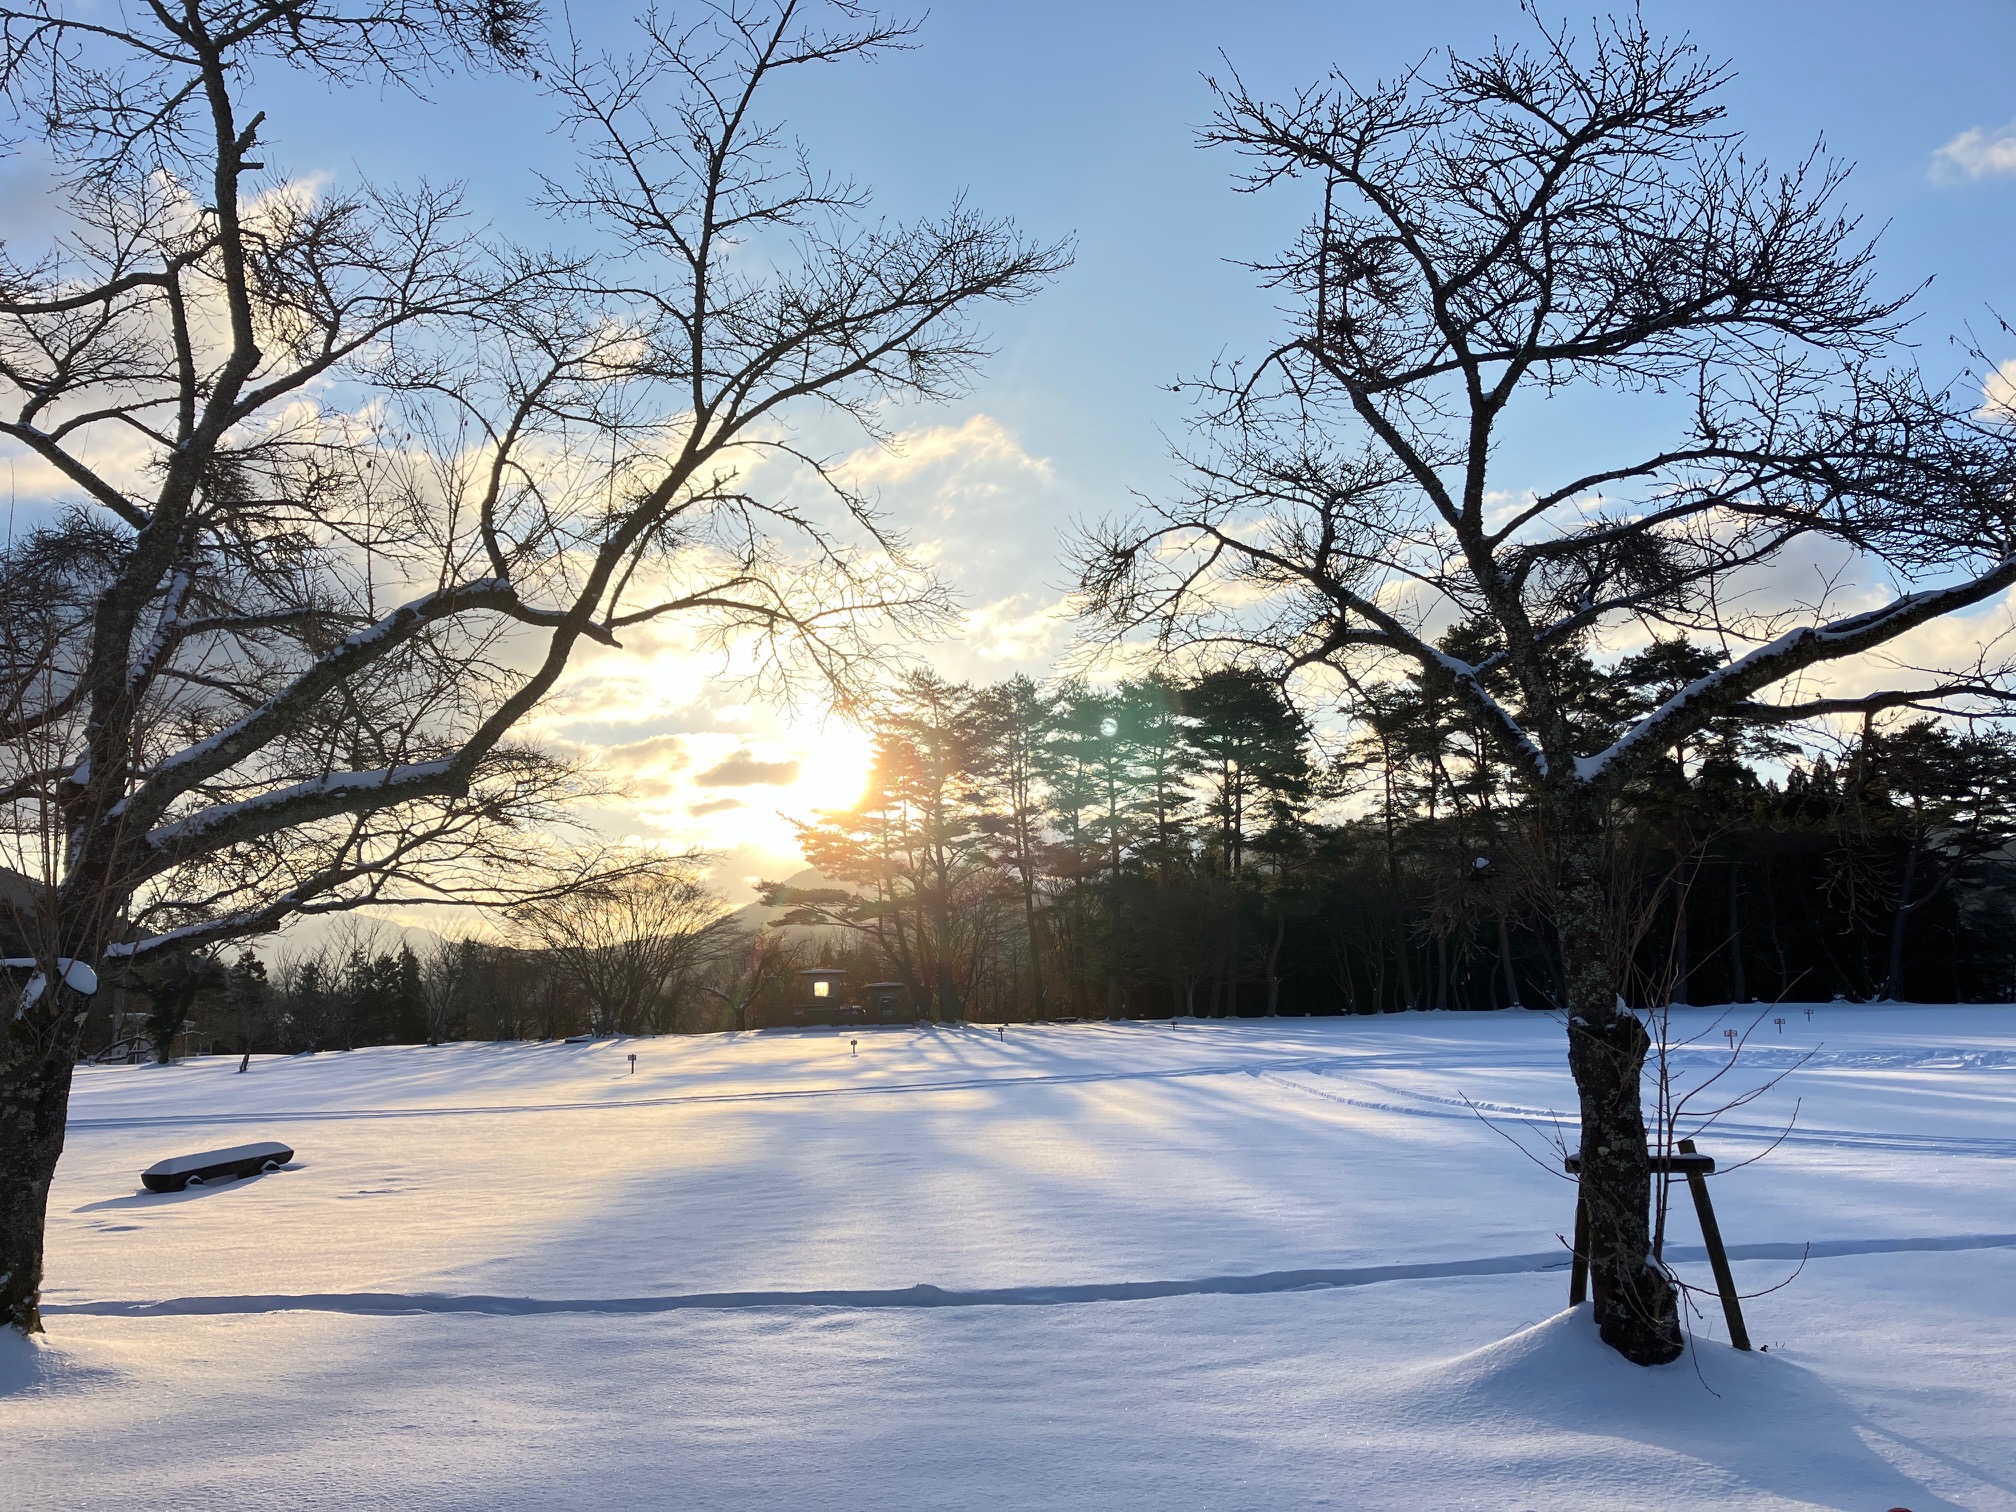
pixel 1752 1422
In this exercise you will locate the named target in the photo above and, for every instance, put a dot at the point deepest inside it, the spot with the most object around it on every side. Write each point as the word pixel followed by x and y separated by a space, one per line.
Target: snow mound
pixel 35 1366
pixel 1736 1426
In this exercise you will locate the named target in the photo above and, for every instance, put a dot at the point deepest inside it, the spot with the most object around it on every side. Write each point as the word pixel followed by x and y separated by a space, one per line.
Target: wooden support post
pixel 1578 1272
pixel 1718 1257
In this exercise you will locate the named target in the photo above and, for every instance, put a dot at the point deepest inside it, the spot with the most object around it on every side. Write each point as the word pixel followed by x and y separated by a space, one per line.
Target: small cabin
pixel 822 987
pixel 822 1001
pixel 883 1003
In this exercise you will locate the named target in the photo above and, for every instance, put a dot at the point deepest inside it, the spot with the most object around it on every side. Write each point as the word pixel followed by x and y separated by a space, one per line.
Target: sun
pixel 834 771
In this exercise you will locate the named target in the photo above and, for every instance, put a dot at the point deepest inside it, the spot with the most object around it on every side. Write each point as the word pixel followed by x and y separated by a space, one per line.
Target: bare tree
pixel 763 964
pixel 633 947
pixel 336 482
pixel 1570 217
pixel 448 975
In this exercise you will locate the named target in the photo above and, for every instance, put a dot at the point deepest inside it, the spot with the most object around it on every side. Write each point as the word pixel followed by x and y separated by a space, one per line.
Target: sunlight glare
pixel 836 768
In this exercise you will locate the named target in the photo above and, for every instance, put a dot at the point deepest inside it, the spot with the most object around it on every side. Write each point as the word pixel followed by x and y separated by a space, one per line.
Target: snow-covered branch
pixel 1726 688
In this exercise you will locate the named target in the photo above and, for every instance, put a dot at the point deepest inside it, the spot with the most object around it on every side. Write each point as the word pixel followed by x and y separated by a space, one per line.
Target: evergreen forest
pixel 1189 847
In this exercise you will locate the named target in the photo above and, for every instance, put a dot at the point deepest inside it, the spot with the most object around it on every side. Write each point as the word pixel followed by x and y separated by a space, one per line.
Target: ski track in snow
pixel 925 1295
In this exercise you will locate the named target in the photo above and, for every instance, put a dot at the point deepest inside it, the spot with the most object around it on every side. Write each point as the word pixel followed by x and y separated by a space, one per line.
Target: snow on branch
pixel 216 753
pixel 77 976
pixel 1470 680
pixel 339 792
pixel 1809 645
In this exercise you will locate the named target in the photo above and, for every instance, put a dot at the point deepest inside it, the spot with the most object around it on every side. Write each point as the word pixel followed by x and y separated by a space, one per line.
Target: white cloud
pixel 1998 393
pixel 981 443
pixel 1977 154
pixel 1018 629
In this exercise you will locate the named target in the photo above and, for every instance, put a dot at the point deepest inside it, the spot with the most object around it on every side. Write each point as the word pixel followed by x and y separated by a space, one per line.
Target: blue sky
pixel 1080 120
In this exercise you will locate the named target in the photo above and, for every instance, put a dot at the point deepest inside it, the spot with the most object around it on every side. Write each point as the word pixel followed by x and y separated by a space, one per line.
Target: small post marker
pixel 633 1062
pixel 1002 1030
pixel 1730 1035
pixel 853 1047
pixel 1780 1023
pixel 1809 1015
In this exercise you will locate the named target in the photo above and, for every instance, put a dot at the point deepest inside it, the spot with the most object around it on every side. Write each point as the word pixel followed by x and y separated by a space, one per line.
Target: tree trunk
pixel 1505 963
pixel 1893 984
pixel 1739 983
pixel 1683 964
pixel 1274 967
pixel 35 1066
pixel 1636 1307
pixel 1771 919
pixel 1232 963
pixel 1035 942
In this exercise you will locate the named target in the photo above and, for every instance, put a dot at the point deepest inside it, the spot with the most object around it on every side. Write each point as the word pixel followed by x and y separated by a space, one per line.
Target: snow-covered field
pixel 1259 1265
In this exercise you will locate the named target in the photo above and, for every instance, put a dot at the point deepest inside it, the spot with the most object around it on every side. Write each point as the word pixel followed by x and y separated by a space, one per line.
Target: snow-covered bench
pixel 215 1165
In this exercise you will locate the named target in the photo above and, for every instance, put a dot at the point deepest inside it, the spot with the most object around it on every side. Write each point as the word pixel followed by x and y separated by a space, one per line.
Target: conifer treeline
pixel 1184 846
pixel 1026 852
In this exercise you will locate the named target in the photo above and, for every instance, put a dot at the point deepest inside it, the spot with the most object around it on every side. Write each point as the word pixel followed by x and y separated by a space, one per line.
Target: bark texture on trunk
pixel 1637 1309
pixel 35 1067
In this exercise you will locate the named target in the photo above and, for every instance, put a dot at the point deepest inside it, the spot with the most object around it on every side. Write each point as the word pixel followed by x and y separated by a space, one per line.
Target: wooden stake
pixel 1718 1257
pixel 1578 1273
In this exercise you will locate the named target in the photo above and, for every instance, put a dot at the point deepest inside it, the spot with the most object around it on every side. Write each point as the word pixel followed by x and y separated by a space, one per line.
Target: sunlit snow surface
pixel 1092 1266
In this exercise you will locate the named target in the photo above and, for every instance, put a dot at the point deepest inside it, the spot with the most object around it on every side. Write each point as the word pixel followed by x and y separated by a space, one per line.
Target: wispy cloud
pixel 980 445
pixel 1976 154
pixel 744 770
pixel 659 753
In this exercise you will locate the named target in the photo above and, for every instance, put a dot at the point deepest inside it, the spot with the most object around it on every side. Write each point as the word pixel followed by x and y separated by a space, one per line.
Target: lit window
pixel 822 989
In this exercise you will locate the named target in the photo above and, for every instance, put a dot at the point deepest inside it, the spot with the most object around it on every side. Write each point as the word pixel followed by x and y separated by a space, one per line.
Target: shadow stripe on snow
pixel 1547 1118
pixel 88 1124
pixel 370 1303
